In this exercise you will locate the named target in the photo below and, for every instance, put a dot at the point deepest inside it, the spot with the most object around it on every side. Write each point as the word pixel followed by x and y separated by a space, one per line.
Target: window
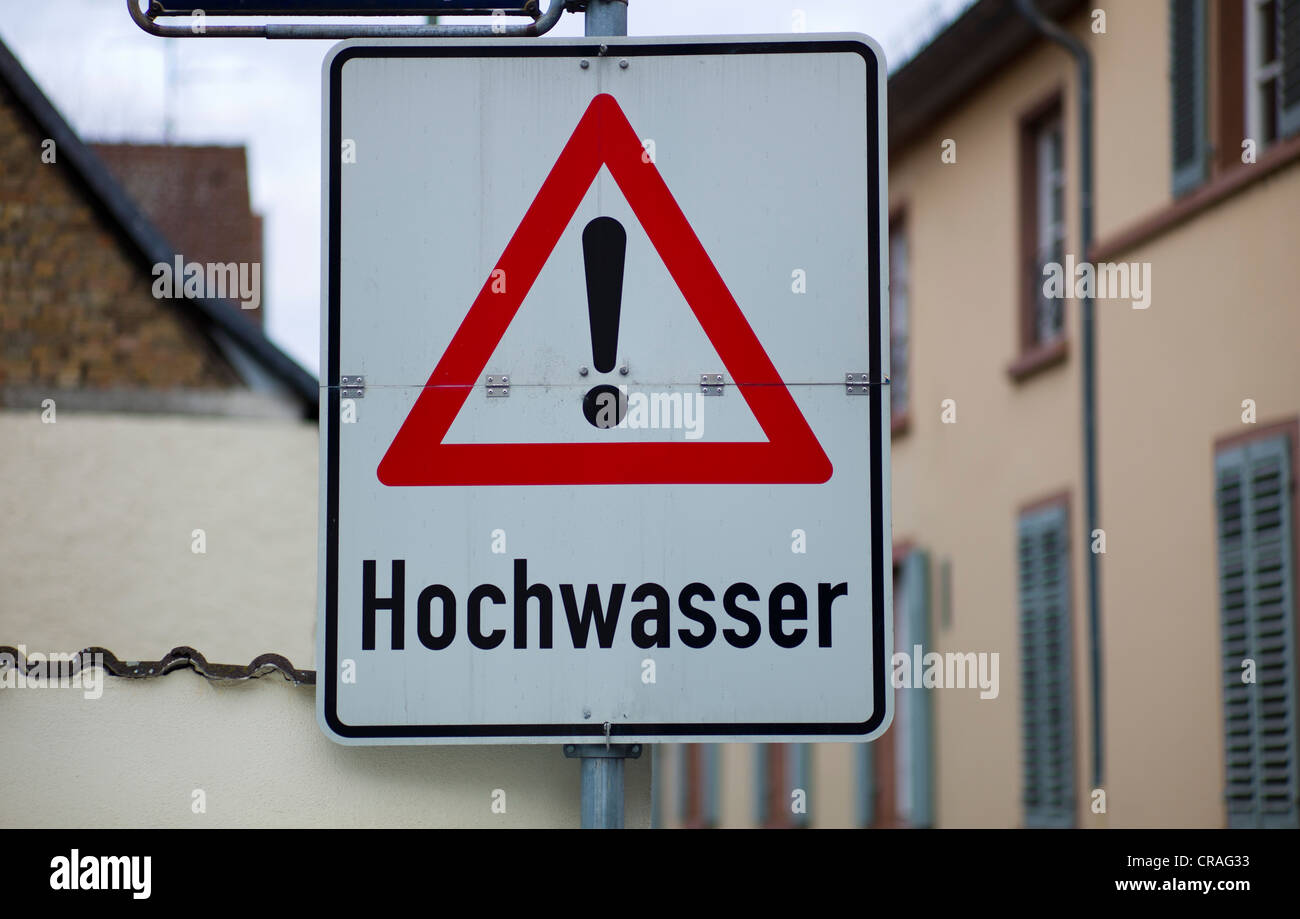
pixel 1234 75
pixel 699 785
pixel 904 746
pixel 1047 688
pixel 769 785
pixel 1254 482
pixel 1049 312
pixel 1042 237
pixel 1263 70
pixel 1288 52
pixel 899 322
pixel 1187 92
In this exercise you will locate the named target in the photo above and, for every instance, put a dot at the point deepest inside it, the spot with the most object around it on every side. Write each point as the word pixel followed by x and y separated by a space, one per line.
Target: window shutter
pixel 1047 689
pixel 656 787
pixel 1288 30
pixel 1257 604
pixel 1187 93
pixel 684 780
pixel 697 786
pixel 866 754
pixel 799 768
pixel 916 572
pixel 709 793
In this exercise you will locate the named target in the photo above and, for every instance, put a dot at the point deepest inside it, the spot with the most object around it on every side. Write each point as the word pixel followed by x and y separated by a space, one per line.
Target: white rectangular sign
pixel 605 448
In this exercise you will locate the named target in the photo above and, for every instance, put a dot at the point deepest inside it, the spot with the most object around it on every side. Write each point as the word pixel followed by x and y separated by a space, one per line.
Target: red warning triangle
pixel 791 454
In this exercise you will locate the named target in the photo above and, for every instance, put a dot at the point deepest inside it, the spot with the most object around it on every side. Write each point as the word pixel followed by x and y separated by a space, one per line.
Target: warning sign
pixel 605 447
pixel 604 137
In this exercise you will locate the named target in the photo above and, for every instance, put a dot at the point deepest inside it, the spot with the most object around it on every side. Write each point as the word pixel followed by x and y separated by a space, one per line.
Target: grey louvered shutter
pixel 1288 30
pixel 762 794
pixel 1047 688
pixel 866 762
pixel 656 787
pixel 916 576
pixel 799 769
pixel 710 766
pixel 684 779
pixel 1253 495
pixel 1187 93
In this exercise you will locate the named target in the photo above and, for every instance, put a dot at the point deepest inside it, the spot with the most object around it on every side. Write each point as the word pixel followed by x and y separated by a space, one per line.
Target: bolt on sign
pixel 605 445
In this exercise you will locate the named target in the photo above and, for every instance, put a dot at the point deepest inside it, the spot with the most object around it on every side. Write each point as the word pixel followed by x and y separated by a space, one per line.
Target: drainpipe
pixel 1083 60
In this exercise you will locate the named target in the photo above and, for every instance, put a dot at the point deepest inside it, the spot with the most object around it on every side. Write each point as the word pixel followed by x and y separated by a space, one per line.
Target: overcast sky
pixel 110 80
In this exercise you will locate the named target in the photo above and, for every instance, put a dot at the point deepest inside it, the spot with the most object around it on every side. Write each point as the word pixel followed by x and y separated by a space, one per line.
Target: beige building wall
pixel 834 793
pixel 1223 326
pixel 736 785
pixel 1131 113
pixel 96 549
pixel 958 487
pixel 1171 381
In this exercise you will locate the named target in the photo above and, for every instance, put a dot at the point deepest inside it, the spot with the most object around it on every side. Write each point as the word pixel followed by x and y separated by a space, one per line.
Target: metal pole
pixel 606 17
pixel 1083 61
pixel 603 768
pixel 603 765
pixel 603 808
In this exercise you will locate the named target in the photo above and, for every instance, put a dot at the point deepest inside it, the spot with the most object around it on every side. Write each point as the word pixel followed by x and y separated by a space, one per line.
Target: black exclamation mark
pixel 604 249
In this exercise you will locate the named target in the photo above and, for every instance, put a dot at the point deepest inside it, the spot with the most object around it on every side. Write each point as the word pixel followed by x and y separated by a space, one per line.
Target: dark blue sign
pixel 339 7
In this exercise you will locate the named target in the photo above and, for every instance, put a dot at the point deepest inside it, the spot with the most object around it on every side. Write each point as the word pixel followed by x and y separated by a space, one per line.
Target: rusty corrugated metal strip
pixel 177 659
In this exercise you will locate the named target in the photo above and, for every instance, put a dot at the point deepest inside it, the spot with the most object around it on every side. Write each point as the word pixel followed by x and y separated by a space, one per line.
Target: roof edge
pixel 980 42
pixel 145 237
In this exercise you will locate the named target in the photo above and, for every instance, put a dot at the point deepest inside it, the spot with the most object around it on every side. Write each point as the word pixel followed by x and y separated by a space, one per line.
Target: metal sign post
pixel 606 17
pixel 603 767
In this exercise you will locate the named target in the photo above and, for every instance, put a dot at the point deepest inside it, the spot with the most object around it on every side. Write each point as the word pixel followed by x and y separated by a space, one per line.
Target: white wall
pixel 95 549
pixel 98 513
pixel 135 756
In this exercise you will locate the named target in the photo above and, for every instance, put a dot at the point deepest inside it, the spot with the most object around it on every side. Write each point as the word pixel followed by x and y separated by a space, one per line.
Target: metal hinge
pixel 711 384
pixel 353 387
pixel 857 384
pixel 498 385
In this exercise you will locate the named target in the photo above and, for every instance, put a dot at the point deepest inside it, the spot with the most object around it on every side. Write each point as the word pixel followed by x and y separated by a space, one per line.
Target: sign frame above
pixel 345 7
